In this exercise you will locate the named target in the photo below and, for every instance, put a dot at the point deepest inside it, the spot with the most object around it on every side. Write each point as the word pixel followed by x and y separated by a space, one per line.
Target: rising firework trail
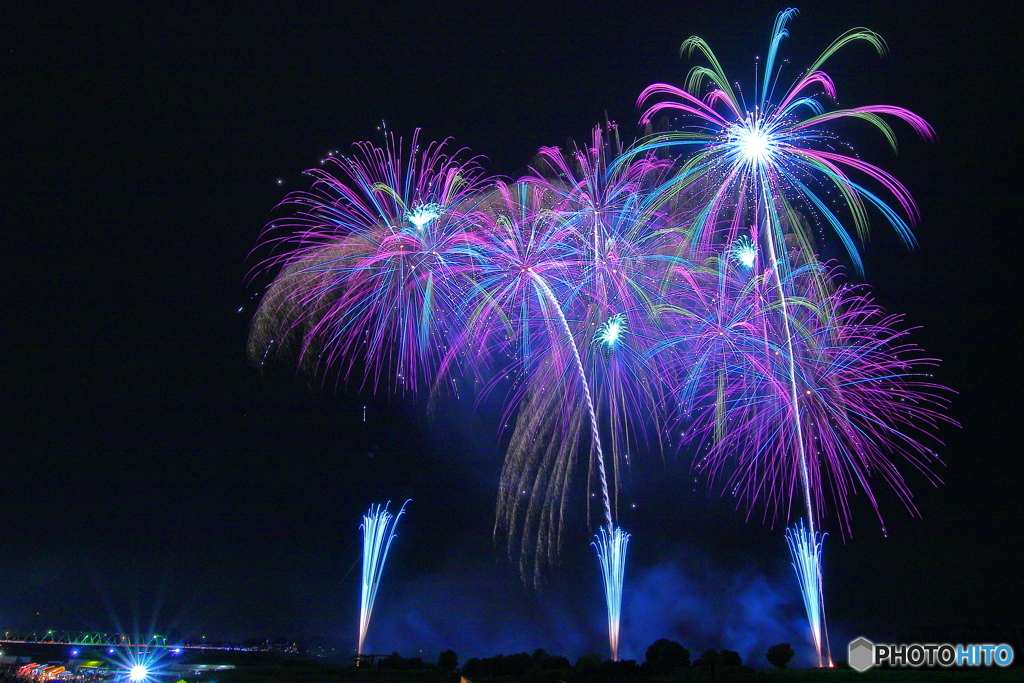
pixel 611 541
pixel 378 532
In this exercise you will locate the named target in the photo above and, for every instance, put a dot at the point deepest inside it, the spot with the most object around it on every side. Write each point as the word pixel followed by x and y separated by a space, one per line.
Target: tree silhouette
pixel 779 655
pixel 665 655
pixel 448 661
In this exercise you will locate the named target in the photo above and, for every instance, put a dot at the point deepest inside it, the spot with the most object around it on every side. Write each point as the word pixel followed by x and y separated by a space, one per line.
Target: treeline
pixel 663 657
pixel 665 661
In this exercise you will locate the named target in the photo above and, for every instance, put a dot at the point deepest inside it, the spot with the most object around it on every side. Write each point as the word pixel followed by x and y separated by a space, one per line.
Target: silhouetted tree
pixel 517 665
pixel 472 667
pixel 779 655
pixel 545 662
pixel 664 655
pixel 730 658
pixel 588 662
pixel 448 661
pixel 710 658
pixel 617 672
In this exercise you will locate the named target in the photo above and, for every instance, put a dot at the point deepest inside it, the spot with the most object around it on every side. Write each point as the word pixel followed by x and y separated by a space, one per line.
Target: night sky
pixel 153 479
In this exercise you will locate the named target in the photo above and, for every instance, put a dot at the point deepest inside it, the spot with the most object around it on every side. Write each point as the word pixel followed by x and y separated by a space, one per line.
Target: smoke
pixel 690 598
pixel 702 605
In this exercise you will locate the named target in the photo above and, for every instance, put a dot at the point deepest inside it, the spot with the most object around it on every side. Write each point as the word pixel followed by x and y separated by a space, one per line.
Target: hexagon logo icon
pixel 861 654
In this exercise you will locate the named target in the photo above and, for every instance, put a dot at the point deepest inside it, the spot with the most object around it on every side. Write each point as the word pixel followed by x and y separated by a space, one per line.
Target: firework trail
pixel 575 258
pixel 519 316
pixel 622 248
pixel 757 170
pixel 378 532
pixel 532 252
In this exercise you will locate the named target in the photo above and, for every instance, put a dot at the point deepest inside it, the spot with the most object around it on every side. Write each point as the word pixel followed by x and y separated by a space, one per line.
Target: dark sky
pixel 153 479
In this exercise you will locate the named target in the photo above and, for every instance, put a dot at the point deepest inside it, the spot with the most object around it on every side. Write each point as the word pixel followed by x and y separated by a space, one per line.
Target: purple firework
pixel 610 286
pixel 578 273
pixel 373 261
pixel 569 299
pixel 866 396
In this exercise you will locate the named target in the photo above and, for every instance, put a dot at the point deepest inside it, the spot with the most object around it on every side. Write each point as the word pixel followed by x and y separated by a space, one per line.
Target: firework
pixel 611 283
pixel 814 408
pixel 573 257
pixel 778 157
pixel 521 316
pixel 373 263
pixel 758 172
pixel 865 394
pixel 378 532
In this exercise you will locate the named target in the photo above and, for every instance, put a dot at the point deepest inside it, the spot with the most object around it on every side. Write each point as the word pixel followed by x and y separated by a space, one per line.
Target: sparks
pixel 744 251
pixel 755 144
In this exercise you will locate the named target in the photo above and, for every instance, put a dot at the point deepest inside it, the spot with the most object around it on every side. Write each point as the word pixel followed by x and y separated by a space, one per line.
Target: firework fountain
pixel 611 555
pixel 378 532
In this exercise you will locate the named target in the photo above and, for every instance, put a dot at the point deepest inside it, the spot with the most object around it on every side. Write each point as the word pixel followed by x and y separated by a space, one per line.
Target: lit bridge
pixel 101 639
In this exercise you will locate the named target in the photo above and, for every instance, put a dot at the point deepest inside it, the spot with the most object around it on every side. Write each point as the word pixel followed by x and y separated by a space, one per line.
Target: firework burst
pixel 775 156
pixel 373 263
pixel 612 285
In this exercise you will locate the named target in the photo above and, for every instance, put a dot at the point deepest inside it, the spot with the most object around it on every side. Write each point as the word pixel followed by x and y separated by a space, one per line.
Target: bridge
pixel 106 639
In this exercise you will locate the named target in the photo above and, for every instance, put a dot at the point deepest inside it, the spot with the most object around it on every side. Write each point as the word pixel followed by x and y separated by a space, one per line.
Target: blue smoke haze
pixel 689 599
